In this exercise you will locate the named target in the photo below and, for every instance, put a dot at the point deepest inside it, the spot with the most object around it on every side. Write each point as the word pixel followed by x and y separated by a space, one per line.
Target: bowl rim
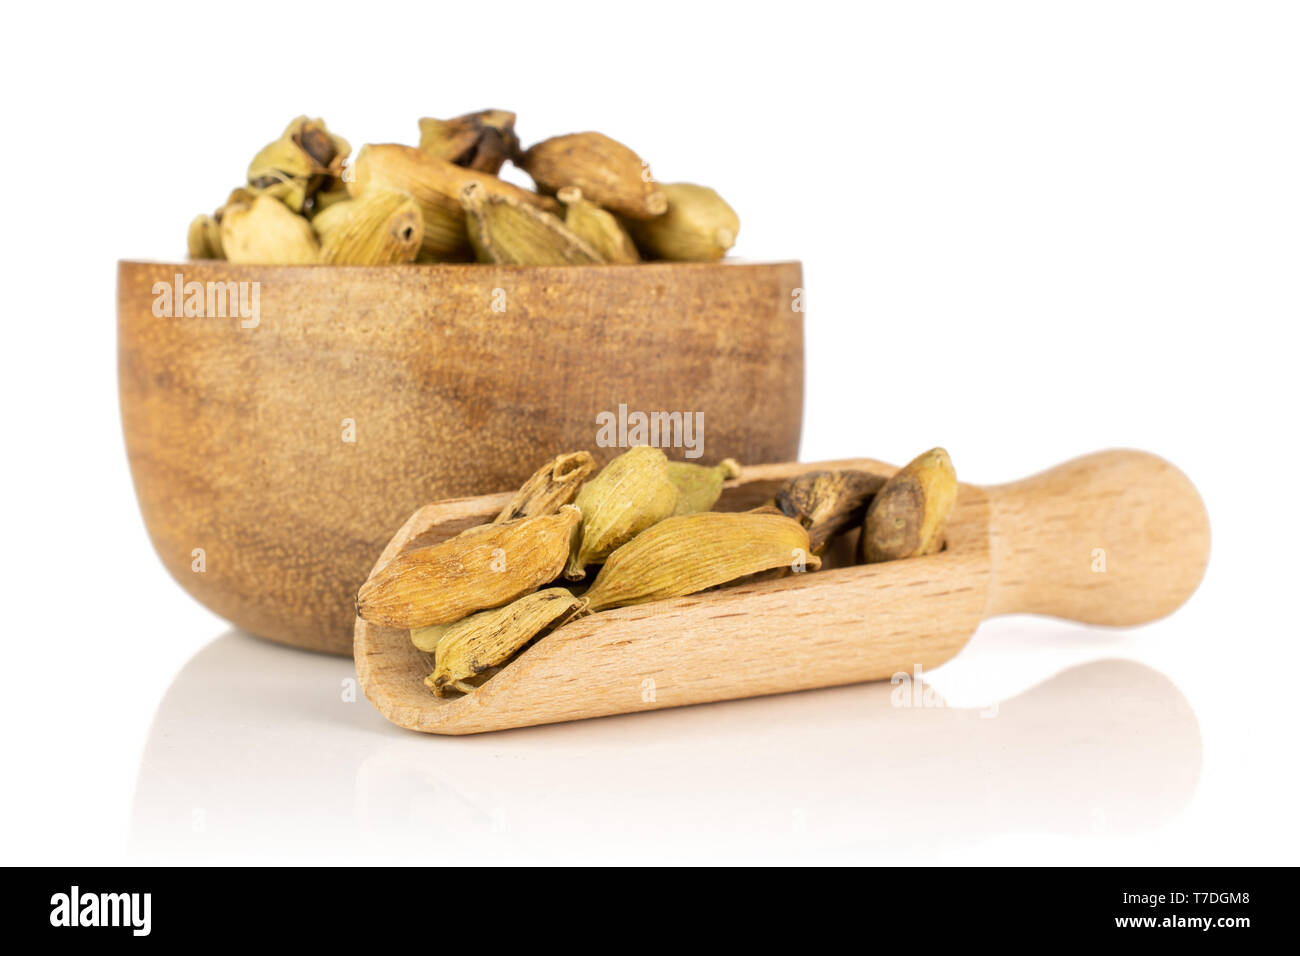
pixel 729 263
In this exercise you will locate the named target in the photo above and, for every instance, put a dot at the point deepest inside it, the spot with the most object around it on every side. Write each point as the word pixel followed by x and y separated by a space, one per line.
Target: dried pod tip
pixel 550 487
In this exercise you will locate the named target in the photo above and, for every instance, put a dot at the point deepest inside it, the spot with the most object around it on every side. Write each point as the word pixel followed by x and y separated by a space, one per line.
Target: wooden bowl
pixel 274 454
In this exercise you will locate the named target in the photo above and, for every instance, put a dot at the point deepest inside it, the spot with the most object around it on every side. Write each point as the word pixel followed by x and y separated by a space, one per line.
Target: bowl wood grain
pixel 273 459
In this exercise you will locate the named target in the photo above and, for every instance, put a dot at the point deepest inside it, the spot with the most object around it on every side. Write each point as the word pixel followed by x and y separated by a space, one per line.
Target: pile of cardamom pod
pixel 476 600
pixel 442 201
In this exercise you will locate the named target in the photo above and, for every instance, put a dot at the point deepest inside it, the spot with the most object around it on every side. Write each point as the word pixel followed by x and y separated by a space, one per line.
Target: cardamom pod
pixel 267 232
pixel 508 232
pixel 435 184
pixel 608 173
pixel 628 495
pixel 689 553
pixel 483 567
pixel 335 192
pixel 293 167
pixel 381 228
pixel 482 140
pixel 600 228
pixel 699 226
pixel 828 502
pixel 204 239
pixel 700 486
pixel 552 485
pixel 489 639
pixel 907 516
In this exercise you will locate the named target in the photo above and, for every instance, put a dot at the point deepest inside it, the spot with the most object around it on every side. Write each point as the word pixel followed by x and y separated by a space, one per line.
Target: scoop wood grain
pixel 1031 546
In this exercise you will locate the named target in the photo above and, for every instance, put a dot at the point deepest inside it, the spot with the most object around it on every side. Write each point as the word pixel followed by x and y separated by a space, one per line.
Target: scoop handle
pixel 1118 538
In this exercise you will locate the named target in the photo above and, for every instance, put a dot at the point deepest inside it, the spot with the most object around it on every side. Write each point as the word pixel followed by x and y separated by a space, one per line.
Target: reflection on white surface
pixel 257 752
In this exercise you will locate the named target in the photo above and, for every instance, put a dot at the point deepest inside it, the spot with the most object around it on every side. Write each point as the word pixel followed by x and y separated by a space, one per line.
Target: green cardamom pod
pixel 295 166
pixel 699 226
pixel 508 232
pixel 204 239
pixel 700 486
pixel 381 228
pixel 689 553
pixel 480 642
pixel 600 228
pixel 267 232
pixel 482 140
pixel 628 495
pixel 435 184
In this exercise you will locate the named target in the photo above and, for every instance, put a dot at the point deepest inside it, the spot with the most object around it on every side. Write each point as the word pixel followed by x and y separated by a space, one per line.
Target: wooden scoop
pixel 1116 538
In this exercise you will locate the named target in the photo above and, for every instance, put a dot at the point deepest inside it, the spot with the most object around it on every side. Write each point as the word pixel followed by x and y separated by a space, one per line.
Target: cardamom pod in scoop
pixel 482 140
pixel 267 232
pixel 552 485
pixel 699 226
pixel 700 486
pixel 600 228
pixel 489 639
pixel 828 502
pixel 381 228
pixel 608 173
pixel 628 495
pixel 689 553
pixel 907 516
pixel 508 232
pixel 483 567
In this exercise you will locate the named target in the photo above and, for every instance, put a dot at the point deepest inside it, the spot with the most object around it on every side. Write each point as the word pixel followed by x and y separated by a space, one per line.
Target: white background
pixel 1029 230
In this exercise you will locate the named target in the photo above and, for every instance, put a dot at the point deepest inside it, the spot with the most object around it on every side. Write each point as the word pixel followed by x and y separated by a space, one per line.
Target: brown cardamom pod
pixel 699 226
pixel 828 502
